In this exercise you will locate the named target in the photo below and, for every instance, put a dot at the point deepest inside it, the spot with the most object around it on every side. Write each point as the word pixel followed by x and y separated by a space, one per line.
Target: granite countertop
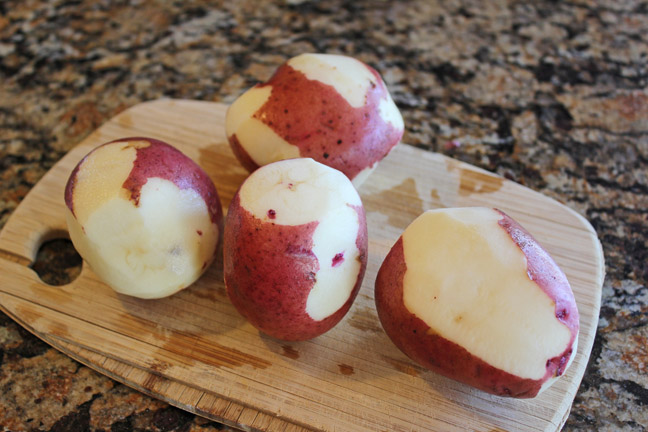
pixel 549 94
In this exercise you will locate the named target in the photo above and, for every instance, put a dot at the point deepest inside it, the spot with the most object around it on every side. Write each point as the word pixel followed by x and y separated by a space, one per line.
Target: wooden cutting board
pixel 195 351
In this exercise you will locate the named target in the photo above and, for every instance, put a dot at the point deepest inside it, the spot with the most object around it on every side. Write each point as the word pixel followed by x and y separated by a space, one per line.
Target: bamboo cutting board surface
pixel 195 351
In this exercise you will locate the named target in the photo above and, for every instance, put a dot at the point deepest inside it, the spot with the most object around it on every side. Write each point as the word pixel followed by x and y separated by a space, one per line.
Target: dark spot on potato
pixel 326 155
pixel 561 314
pixel 337 259
pixel 339 142
pixel 272 214
pixel 199 232
pixel 561 365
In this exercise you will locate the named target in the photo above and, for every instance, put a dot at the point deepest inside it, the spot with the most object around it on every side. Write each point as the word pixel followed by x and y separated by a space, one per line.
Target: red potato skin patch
pixel 316 118
pixel 164 161
pixel 240 153
pixel 544 271
pixel 269 271
pixel 362 243
pixel 415 338
pixel 70 185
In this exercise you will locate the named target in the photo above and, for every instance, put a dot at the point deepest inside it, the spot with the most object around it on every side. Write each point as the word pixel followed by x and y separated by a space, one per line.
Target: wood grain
pixel 195 351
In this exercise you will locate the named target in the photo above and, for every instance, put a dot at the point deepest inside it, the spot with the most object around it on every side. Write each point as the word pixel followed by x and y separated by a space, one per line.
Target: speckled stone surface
pixel 550 94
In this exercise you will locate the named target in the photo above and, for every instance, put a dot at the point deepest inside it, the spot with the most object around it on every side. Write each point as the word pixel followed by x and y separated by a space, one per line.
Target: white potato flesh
pixel 240 122
pixel 152 250
pixel 467 280
pixel 301 191
pixel 102 175
pixel 389 112
pixel 336 233
pixel 351 79
pixel 360 178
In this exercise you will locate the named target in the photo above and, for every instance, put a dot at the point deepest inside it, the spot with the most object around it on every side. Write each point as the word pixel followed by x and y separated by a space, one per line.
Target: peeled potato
pixel 470 294
pixel 145 217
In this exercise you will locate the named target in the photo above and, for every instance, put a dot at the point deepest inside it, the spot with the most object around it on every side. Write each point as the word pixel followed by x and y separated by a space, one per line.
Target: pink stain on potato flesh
pixel 337 259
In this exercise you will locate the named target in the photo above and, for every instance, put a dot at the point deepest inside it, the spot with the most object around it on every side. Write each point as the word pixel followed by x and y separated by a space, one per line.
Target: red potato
pixel 145 217
pixel 331 108
pixel 295 248
pixel 470 294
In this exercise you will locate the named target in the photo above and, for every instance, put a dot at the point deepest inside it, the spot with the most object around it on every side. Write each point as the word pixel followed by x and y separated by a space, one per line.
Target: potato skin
pixel 543 270
pixel 419 342
pixel 270 269
pixel 241 154
pixel 316 118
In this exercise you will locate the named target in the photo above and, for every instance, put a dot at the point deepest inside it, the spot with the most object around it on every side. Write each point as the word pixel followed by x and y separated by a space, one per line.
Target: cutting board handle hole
pixel 57 262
